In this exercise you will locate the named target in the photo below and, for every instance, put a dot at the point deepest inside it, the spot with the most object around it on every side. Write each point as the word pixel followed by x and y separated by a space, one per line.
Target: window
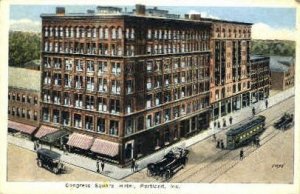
pixel 114 106
pixel 77 121
pixel 116 68
pixel 167 115
pixel 101 125
pixel 102 104
pixel 102 85
pixel 89 102
pixel 90 85
pixel 129 86
pixel 78 100
pixel 116 87
pixel 157 118
pixel 46 116
pixel 89 123
pixel 90 66
pixel 55 116
pixel 128 126
pixel 113 127
pixel 78 82
pixel 149 83
pixel 148 121
pixel 56 97
pixel 23 98
pixel 65 118
pixel 79 65
pixel 102 67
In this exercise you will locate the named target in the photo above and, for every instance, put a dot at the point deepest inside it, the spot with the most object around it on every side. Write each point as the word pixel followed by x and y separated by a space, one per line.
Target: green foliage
pixel 23 47
pixel 273 47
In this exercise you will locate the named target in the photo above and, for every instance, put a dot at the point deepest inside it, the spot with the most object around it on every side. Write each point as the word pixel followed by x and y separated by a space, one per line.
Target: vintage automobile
pixel 285 122
pixel 245 132
pixel 172 162
pixel 49 160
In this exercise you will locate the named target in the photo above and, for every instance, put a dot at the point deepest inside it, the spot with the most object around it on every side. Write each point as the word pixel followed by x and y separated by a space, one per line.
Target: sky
pixel 268 23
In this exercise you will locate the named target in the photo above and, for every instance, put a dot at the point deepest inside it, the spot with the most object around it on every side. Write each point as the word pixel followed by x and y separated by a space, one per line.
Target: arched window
pixel 61 32
pixel 105 33
pixel 101 33
pixel 46 32
pixel 113 33
pixel 94 31
pixel 120 36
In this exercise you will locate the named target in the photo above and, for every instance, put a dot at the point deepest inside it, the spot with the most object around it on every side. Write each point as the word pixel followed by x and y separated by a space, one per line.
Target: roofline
pixel 109 16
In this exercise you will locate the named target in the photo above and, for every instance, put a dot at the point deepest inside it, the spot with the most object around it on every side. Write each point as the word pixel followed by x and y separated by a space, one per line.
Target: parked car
pixel 172 162
pixel 49 160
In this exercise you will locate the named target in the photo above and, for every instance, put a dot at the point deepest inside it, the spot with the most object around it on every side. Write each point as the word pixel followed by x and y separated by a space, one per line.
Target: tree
pixel 23 47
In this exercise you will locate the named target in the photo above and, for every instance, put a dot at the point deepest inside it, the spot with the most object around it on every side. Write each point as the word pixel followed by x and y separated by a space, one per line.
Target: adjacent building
pixel 23 100
pixel 229 66
pixel 260 78
pixel 282 72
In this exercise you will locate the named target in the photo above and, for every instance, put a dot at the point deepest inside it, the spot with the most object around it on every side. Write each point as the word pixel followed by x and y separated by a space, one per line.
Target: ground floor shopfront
pixel 228 105
pixel 260 94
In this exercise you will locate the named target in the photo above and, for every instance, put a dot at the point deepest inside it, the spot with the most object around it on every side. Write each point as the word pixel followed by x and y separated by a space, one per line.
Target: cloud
pixel 264 31
pixel 25 25
pixel 203 14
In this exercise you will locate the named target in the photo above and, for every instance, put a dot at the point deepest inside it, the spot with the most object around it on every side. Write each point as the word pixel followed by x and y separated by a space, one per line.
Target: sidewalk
pixel 118 173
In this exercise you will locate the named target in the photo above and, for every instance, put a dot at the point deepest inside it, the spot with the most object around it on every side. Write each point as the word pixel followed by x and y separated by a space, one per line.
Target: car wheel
pixel 55 170
pixel 39 163
pixel 167 175
pixel 149 173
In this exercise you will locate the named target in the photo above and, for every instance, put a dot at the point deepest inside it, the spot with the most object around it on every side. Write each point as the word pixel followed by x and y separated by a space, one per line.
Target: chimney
pixel 140 9
pixel 195 16
pixel 60 11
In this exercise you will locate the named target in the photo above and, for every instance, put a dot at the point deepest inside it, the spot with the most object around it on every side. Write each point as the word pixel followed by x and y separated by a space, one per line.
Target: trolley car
pixel 245 132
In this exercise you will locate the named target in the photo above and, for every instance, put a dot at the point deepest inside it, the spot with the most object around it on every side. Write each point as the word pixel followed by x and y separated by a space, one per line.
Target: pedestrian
pixel 219 125
pixel 215 124
pixel 34 145
pixel 65 149
pixel 102 166
pixel 97 166
pixel 267 103
pixel 224 122
pixel 214 137
pixel 241 154
pixel 222 144
pixel 257 142
pixel 230 120
pixel 218 144
pixel 37 144
pixel 253 111
pixel 133 165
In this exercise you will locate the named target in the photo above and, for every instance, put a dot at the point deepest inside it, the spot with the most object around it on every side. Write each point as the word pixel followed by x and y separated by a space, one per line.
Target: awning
pixel 45 130
pixel 105 147
pixel 55 136
pixel 80 141
pixel 21 127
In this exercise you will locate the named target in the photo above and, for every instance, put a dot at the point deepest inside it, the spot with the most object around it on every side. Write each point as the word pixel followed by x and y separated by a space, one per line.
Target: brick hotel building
pixel 128 84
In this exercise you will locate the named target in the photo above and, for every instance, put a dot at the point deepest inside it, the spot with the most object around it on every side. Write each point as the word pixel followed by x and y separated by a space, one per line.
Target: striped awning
pixel 45 130
pixel 21 127
pixel 105 147
pixel 80 141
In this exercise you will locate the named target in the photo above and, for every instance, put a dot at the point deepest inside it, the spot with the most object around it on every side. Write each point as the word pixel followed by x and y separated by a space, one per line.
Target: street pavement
pixel 115 172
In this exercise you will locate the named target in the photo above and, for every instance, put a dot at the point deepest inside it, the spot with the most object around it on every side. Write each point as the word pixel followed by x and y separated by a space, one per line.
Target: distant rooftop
pixel 24 78
pixel 140 10
pixel 281 64
pixel 257 57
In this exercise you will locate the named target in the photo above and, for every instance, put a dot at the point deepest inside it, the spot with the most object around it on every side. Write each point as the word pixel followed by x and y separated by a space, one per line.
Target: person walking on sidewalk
pixel 102 166
pixel 219 125
pixel 253 111
pixel 214 138
pixel 267 103
pixel 133 165
pixel 230 120
pixel 222 144
pixel 97 166
pixel 224 122
pixel 34 145
pixel 241 154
